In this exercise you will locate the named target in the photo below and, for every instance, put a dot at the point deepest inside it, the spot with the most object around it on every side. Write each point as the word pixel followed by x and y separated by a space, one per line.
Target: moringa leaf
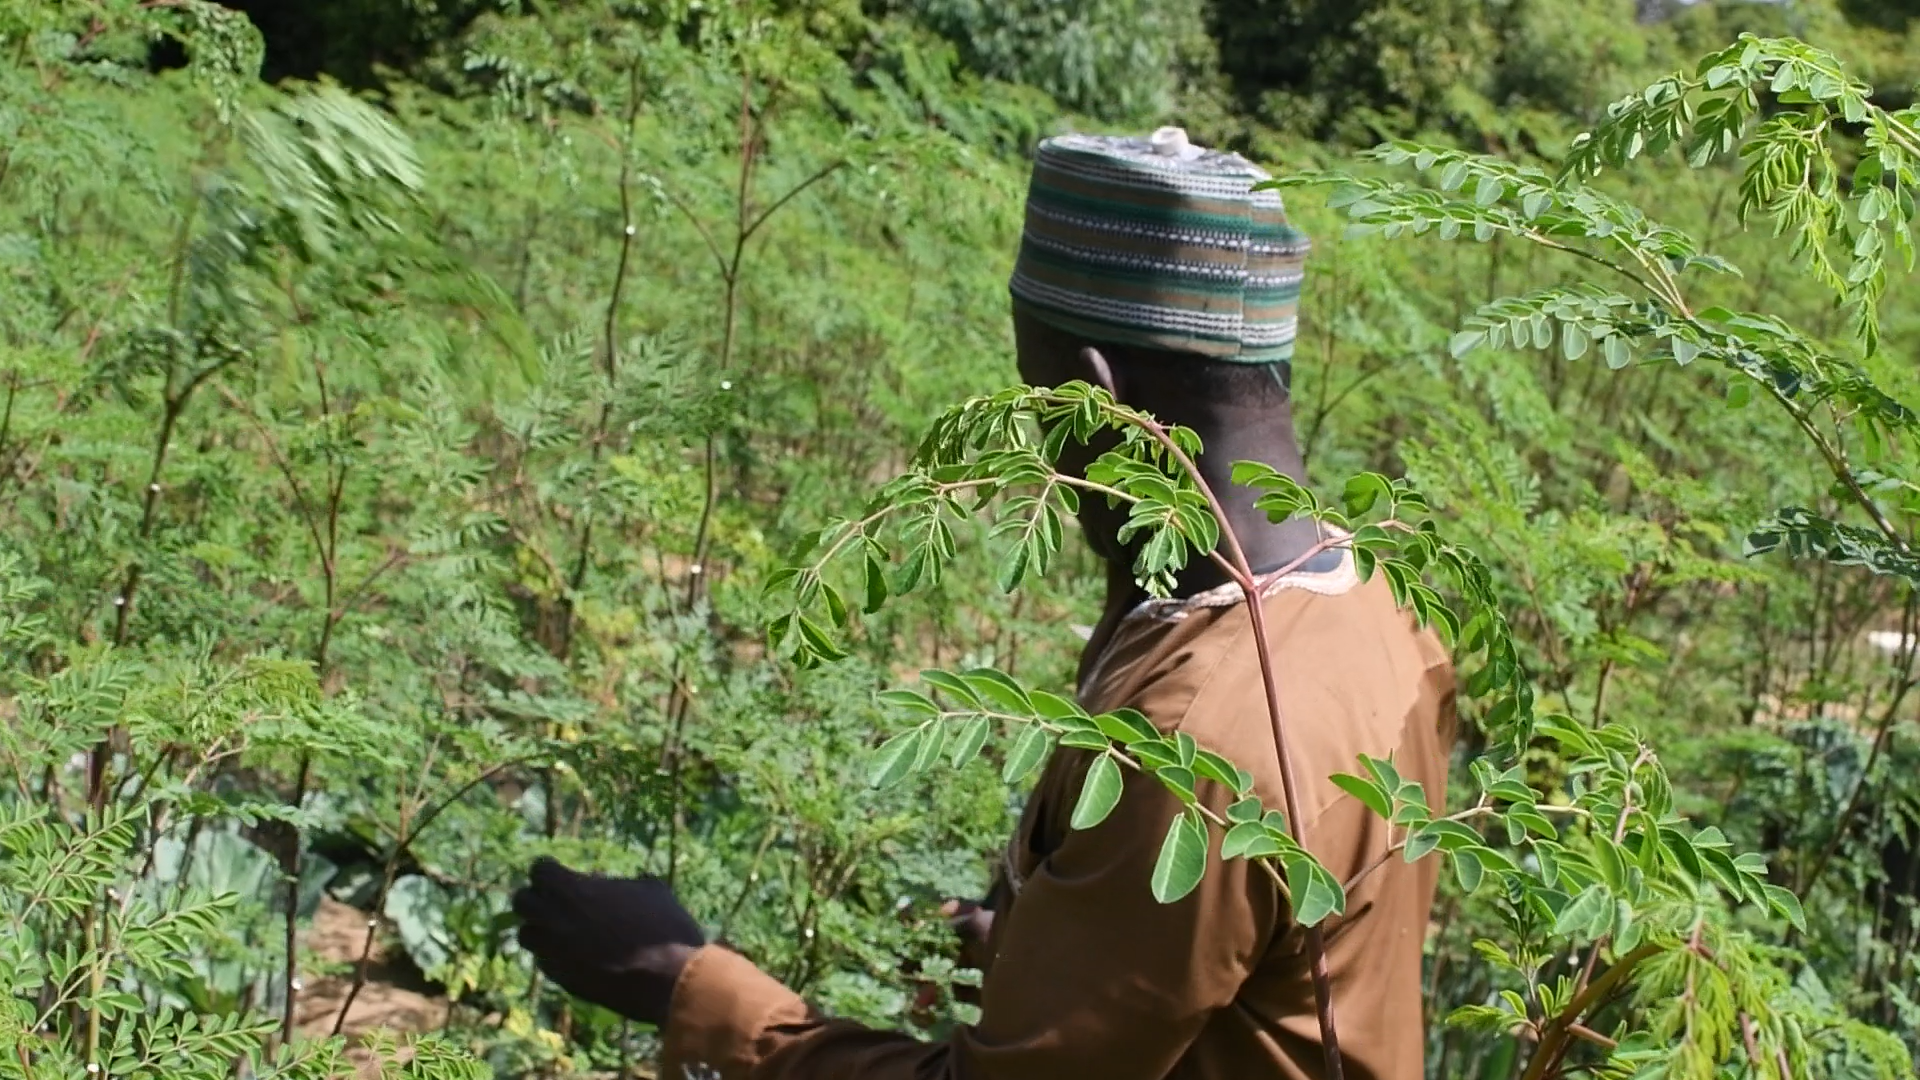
pixel 1375 797
pixel 894 760
pixel 1183 859
pixel 1578 917
pixel 1313 891
pixel 973 736
pixel 1099 793
pixel 1029 750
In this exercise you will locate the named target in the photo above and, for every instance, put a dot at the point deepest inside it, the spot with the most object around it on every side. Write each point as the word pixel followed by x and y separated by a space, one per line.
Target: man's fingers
pixel 926 997
pixel 974 927
pixel 547 873
pixel 530 904
pixel 534 938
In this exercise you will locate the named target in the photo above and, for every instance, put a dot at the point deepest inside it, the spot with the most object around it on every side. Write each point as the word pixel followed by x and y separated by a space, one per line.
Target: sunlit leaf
pixel 1182 861
pixel 1099 793
pixel 893 762
pixel 1028 751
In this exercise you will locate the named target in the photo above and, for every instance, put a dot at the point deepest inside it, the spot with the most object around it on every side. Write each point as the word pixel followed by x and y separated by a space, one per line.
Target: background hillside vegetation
pixel 405 407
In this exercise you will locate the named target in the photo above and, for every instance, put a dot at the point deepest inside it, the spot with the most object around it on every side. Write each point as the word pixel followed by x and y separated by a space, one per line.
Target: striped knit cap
pixel 1162 244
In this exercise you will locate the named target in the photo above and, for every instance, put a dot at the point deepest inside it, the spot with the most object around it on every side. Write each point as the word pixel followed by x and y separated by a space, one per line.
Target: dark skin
pixel 623 942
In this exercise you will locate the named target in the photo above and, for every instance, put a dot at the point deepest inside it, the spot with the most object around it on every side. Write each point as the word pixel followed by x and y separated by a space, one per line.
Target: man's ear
pixel 1097 371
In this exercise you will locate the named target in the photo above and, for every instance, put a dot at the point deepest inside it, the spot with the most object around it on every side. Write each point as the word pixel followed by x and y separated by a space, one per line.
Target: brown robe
pixel 1091 977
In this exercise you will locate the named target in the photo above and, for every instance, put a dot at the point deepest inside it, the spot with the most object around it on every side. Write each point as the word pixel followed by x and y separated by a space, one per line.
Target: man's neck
pixel 1266 545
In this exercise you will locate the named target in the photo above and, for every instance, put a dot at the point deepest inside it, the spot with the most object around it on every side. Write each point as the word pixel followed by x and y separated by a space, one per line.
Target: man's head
pixel 1240 411
pixel 1162 258
pixel 1179 387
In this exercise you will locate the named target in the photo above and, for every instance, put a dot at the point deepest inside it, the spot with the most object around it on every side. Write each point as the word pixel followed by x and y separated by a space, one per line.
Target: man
pixel 1148 267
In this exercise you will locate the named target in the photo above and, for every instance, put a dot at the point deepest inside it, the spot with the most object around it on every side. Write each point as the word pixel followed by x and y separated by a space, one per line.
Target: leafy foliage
pixel 444 448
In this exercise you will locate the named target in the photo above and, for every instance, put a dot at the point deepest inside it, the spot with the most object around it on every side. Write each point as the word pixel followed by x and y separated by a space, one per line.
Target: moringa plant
pixel 438 525
pixel 1637 945
pixel 1611 894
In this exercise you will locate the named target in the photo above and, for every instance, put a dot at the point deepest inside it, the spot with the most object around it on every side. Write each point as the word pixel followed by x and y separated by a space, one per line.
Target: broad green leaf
pixel 894 760
pixel 998 688
pixel 1246 810
pixel 818 642
pixel 1787 904
pixel 1548 854
pixel 973 736
pixel 1085 740
pixel 1412 815
pixel 1253 473
pixel 1052 706
pixel 1448 835
pixel 777 632
pixel 1384 773
pixel 1611 862
pixel 1185 747
pixel 1126 726
pixel 1029 750
pixel 1681 846
pixel 1564 729
pixel 1314 893
pixel 912 569
pixel 1574 341
pixel 1533 820
pixel 1155 753
pixel 1099 793
pixel 909 700
pixel 1013 568
pixel 952 684
pixel 933 739
pixel 1182 861
pixel 876 582
pixel 1467 869
pixel 1223 772
pixel 780 579
pixel 1178 779
pixel 1583 911
pixel 1250 840
pixel 1366 791
pixel 1617 352
pixel 1363 491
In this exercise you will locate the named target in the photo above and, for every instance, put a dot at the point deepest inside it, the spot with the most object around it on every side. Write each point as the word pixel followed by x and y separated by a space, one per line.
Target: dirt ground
pixel 394 998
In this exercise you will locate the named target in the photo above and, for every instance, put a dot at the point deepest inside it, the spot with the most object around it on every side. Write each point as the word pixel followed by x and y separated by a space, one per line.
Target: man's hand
pixel 618 942
pixel 973 923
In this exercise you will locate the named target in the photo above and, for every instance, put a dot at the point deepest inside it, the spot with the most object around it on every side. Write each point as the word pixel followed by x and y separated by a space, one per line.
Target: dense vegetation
pixel 394 462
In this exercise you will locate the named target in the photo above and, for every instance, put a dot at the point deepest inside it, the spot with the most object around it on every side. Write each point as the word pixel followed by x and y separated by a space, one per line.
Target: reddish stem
pixel 1243 576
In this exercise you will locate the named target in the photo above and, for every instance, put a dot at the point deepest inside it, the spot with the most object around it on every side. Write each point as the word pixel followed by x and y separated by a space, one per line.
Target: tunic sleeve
pixel 1092 976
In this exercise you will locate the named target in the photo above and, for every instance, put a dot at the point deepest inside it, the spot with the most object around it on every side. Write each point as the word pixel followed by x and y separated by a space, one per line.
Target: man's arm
pixel 1092 977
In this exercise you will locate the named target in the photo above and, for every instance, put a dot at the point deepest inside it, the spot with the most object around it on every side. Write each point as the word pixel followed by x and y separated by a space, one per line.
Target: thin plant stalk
pixel 1243 576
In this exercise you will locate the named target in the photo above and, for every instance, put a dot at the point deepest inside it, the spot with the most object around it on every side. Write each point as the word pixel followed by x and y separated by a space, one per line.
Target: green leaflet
pixel 1315 894
pixel 1182 860
pixel 1099 793
pixel 894 760
pixel 1028 751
